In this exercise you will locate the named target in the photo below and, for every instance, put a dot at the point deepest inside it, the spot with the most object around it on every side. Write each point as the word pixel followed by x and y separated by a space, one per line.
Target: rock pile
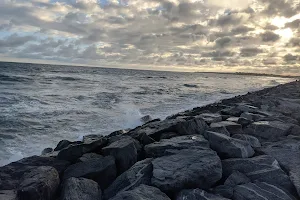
pixel 243 148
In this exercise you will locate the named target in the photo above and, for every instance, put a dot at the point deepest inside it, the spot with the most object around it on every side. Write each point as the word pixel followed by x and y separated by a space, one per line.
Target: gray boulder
pixel 224 191
pixel 47 151
pixel 125 150
pixel 187 169
pixel 162 148
pixel 252 116
pixel 228 147
pixel 139 173
pixel 211 117
pixel 143 192
pixel 168 135
pixel 80 189
pixel 253 141
pixel 232 111
pixel 237 178
pixel 232 127
pixel 89 156
pixel 221 129
pixel 102 170
pixel 40 184
pixel 197 194
pixel 8 195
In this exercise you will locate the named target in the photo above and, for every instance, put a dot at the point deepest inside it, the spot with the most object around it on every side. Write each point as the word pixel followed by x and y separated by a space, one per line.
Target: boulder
pixel 253 141
pixel 232 127
pixel 39 184
pixel 232 111
pixel 211 117
pixel 224 191
pixel 233 119
pixel 247 108
pixel 169 135
pixel 89 156
pixel 244 122
pixel 125 151
pixel 8 195
pixel 228 147
pixel 80 189
pixel 221 129
pixel 260 190
pixel 143 192
pixel 139 173
pixel 146 118
pixel 64 143
pixel 252 116
pixel 162 148
pixel 237 178
pixel 197 194
pixel 47 151
pixel 102 170
pixel 187 169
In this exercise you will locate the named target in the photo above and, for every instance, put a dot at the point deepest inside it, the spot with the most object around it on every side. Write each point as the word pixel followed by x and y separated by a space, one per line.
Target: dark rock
pixel 233 119
pixel 253 141
pixel 221 129
pixel 143 192
pixel 139 173
pixel 233 111
pixel 8 195
pixel 244 122
pixel 228 147
pixel 89 156
pixel 162 148
pixel 40 184
pixel 46 151
pixel 247 108
pixel 62 144
pixel 237 178
pixel 126 152
pixel 168 135
pixel 81 189
pixel 146 118
pixel 187 169
pixel 260 190
pixel 224 191
pixel 252 116
pixel 232 127
pixel 197 194
pixel 211 117
pixel 102 170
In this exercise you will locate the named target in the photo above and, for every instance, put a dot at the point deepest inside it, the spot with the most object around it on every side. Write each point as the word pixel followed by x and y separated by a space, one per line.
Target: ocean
pixel 43 104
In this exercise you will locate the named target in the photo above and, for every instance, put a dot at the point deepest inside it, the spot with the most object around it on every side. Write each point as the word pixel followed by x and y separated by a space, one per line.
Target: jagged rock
pixel 143 192
pixel 8 195
pixel 268 130
pixel 211 117
pixel 237 178
pixel 261 168
pixel 11 174
pixel 232 111
pixel 247 108
pixel 233 119
pixel 244 122
pixel 221 129
pixel 89 156
pixel 40 184
pixel 81 189
pixel 197 194
pixel 63 144
pixel 228 147
pixel 253 141
pixel 102 170
pixel 139 173
pixel 146 118
pixel 224 191
pixel 126 152
pixel 168 135
pixel 162 148
pixel 252 116
pixel 232 127
pixel 187 168
pixel 260 190
pixel 46 151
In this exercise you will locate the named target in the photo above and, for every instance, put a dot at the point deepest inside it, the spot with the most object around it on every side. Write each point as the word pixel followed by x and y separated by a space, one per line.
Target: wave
pixel 191 85
pixel 11 78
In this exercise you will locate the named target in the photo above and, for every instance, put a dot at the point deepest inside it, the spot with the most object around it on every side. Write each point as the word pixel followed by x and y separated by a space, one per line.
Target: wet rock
pixel 63 144
pixel 232 127
pixel 224 191
pixel 102 170
pixel 143 192
pixel 125 151
pixel 260 190
pixel 162 148
pixel 253 141
pixel 139 173
pixel 89 156
pixel 247 108
pixel 197 194
pixel 228 147
pixel 237 178
pixel 252 116
pixel 47 151
pixel 233 119
pixel 40 184
pixel 187 168
pixel 221 130
pixel 232 111
pixel 81 189
pixel 8 195
pixel 244 122
pixel 168 135
pixel 146 118
pixel 211 117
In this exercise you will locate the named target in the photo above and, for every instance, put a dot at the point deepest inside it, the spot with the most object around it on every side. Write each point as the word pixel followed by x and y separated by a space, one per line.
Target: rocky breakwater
pixel 243 148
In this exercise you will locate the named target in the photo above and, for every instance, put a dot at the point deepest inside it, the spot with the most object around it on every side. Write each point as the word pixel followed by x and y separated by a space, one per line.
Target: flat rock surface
pixel 197 194
pixel 251 140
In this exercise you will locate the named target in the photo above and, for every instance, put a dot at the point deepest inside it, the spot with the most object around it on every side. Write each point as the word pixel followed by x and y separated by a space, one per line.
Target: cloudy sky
pixel 184 35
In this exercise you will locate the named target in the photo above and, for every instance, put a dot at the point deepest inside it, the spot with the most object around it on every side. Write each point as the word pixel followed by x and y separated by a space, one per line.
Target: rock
pixel 8 195
pixel 224 191
pixel 63 144
pixel 11 174
pixel 146 118
pixel 261 168
pixel 244 122
pixel 169 135
pixel 102 170
pixel 40 184
pixel 233 111
pixel 46 151
pixel 143 192
pixel 253 141
pixel 162 148
pixel 260 190
pixel 188 168
pixel 228 147
pixel 247 108
pixel 237 178
pixel 252 116
pixel 232 127
pixel 268 130
pixel 139 173
pixel 197 194
pixel 80 189
pixel 233 119
pixel 221 129
pixel 211 117
pixel 89 156
pixel 126 152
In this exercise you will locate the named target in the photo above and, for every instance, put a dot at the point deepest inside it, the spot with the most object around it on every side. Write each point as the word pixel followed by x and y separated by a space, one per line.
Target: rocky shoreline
pixel 243 148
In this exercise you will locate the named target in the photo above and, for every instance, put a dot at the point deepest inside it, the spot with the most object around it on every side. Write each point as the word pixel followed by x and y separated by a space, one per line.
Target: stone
pixel 232 111
pixel 143 192
pixel 187 168
pixel 139 173
pixel 197 194
pixel 224 191
pixel 162 148
pixel 39 184
pixel 168 135
pixel 252 116
pixel 237 178
pixel 47 151
pixel 228 147
pixel 125 151
pixel 268 130
pixel 80 189
pixel 253 141
pixel 232 127
pixel 233 119
pixel 247 108
pixel 89 156
pixel 8 195
pixel 146 118
pixel 221 129
pixel 63 144
pixel 244 122
pixel 260 191
pixel 211 117
pixel 102 170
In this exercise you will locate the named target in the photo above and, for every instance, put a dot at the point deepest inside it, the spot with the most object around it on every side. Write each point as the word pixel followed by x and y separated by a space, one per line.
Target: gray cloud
pixel 269 36
pixel 250 51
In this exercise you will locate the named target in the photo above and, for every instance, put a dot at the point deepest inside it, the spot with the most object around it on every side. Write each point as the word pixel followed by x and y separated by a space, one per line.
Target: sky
pixel 261 36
